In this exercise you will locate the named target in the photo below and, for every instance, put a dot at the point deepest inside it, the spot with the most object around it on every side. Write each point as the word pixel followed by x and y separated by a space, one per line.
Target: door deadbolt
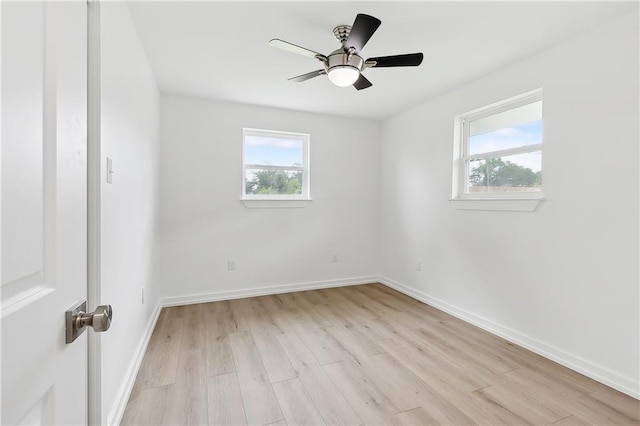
pixel 77 320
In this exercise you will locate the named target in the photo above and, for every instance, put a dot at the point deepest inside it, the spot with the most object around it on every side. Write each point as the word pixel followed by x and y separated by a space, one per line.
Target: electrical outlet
pixel 419 266
pixel 142 296
pixel 231 265
pixel 335 258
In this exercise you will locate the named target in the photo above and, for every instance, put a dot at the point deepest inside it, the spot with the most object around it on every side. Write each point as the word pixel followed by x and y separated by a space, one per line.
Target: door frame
pixel 96 412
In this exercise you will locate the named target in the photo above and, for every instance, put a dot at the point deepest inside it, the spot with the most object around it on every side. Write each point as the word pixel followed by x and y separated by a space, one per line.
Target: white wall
pixel 562 280
pixel 130 136
pixel 204 223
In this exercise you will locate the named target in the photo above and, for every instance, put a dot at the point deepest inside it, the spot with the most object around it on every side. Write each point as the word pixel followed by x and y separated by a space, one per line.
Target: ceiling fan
pixel 344 66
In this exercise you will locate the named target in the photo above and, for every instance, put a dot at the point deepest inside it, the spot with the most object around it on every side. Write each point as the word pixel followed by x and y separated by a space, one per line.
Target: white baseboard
pixel 263 291
pixel 115 416
pixel 603 375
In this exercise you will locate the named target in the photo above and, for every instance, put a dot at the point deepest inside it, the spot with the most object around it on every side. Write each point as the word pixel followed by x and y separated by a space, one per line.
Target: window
pixel 499 150
pixel 275 165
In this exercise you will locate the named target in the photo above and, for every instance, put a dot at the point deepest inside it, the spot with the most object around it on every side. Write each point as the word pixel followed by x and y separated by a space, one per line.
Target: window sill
pixel 274 204
pixel 497 204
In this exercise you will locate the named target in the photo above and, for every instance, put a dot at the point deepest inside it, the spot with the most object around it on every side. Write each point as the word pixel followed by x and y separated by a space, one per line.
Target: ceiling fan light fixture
pixel 343 75
pixel 344 65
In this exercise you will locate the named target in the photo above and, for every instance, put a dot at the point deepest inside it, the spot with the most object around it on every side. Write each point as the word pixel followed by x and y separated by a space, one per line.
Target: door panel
pixel 43 154
pixel 22 163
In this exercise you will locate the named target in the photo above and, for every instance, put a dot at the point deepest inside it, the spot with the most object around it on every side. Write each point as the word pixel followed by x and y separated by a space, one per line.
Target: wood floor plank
pixel 278 423
pixel 453 344
pixel 402 301
pixel 624 404
pixel 296 404
pixel 315 297
pixel 533 381
pixel 310 311
pixel 219 306
pixel 368 401
pixel 189 405
pixel 258 305
pixel 226 323
pixel 437 370
pixel 288 320
pixel 450 387
pixel 298 353
pixel 276 362
pixel 264 324
pixel 221 324
pixel 453 358
pixel 572 421
pixel 219 355
pixel 397 385
pixel 160 362
pixel 148 408
pixel 408 391
pixel 389 299
pixel 352 344
pixel 260 403
pixel 371 305
pixel 487 347
pixel 525 406
pixel 225 401
pixel 544 400
pixel 379 329
pixel 285 301
pixel 332 405
pixel 238 320
pixel 324 347
pixel 268 304
pixel 332 317
pixel 358 310
pixel 241 307
pixel 407 320
pixel 599 412
pixel 385 304
pixel 195 327
pixel 416 417
pixel 338 315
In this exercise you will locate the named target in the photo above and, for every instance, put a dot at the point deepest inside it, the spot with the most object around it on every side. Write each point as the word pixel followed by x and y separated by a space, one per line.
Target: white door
pixel 44 202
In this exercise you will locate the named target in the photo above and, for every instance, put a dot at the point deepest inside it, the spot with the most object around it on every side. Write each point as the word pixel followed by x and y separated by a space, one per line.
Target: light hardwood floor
pixel 350 356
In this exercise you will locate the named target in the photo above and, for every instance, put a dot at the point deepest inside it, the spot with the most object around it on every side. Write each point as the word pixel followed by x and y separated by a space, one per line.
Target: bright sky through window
pixel 524 134
pixel 273 151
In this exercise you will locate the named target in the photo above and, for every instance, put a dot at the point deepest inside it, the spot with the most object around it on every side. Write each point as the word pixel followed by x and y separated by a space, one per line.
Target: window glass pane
pixel 273 151
pixel 265 182
pixel 512 173
pixel 508 118
pixel 514 136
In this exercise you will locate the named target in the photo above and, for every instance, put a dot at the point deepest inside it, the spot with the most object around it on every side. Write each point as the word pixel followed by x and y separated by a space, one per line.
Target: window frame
pixel 461 149
pixel 306 138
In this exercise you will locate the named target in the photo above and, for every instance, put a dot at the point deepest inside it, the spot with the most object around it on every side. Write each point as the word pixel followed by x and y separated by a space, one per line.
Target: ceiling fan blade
pixel 285 45
pixel 361 31
pixel 362 83
pixel 409 60
pixel 307 76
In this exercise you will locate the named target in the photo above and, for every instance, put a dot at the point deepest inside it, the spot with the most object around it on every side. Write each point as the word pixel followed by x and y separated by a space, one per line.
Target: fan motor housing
pixel 339 58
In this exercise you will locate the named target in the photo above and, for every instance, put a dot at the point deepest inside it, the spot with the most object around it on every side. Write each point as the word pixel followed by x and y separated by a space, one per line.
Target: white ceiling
pixel 219 50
